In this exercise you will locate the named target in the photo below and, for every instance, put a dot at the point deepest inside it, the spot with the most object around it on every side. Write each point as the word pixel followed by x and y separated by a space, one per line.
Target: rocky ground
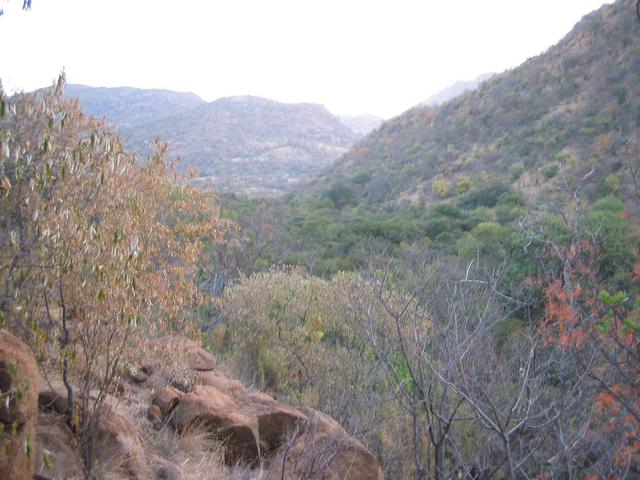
pixel 186 421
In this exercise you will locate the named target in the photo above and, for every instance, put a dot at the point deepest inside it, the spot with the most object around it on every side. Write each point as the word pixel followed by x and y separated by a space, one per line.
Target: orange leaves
pixel 600 329
pixel 561 318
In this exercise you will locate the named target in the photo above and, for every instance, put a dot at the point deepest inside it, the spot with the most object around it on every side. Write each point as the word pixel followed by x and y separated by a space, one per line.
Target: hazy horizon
pixel 378 58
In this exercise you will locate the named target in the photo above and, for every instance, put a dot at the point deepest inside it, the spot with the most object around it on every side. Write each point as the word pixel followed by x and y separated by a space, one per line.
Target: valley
pixel 248 289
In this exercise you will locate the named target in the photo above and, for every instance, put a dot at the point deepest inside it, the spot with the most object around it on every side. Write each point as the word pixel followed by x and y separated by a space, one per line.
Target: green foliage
pixel 340 195
pixel 516 171
pixel 544 115
pixel 485 197
pixel 550 171
pixel 441 188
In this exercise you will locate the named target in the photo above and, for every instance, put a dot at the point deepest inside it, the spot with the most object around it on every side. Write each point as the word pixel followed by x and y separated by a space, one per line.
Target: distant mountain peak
pixel 458 88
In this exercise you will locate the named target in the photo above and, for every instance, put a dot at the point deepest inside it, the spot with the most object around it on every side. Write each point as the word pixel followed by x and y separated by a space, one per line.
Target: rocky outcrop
pixel 257 429
pixel 196 357
pixel 119 442
pixel 254 429
pixel 324 451
pixel 19 386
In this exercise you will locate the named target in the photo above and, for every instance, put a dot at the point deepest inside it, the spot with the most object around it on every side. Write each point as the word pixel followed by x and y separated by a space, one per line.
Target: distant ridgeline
pixel 246 145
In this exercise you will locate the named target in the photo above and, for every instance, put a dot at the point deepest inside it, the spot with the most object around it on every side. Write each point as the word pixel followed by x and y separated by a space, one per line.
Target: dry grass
pixel 193 453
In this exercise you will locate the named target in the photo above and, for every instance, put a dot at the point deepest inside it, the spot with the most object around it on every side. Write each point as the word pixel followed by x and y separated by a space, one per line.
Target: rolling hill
pixel 571 109
pixel 247 145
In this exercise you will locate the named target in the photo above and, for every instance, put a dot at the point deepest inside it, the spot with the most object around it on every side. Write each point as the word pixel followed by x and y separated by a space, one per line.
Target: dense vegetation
pixel 491 320
pixel 460 290
pixel 96 252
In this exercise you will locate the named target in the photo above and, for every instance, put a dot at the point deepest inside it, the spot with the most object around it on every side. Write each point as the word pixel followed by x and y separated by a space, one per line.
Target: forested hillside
pixel 559 114
pixel 458 297
pixel 249 144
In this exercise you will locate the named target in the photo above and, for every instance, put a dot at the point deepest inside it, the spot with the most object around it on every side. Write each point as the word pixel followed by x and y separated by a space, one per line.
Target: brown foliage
pixel 94 249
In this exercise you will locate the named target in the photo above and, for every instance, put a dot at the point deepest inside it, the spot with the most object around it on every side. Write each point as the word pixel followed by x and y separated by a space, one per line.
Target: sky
pixel 353 56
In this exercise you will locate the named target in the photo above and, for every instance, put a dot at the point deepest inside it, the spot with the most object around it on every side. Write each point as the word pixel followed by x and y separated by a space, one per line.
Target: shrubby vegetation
pixel 559 113
pixel 96 251
pixel 503 353
pixel 465 301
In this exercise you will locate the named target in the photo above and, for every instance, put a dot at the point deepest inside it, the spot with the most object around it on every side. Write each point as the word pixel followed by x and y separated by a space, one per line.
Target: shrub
pixel 551 171
pixel 95 249
pixel 441 188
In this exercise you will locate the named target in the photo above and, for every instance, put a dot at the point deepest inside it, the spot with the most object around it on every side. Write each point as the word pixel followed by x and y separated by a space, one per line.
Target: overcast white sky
pixel 354 56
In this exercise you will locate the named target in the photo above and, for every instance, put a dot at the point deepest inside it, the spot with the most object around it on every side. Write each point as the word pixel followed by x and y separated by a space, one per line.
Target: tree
pixel 590 316
pixel 94 249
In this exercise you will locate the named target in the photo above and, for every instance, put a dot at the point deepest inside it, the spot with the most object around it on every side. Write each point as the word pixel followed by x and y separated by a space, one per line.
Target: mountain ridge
pixel 456 89
pixel 242 144
pixel 556 114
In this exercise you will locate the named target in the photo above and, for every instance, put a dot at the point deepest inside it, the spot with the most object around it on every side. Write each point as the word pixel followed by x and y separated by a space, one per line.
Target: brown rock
pixel 218 413
pixel 179 347
pixel 324 451
pixel 119 444
pixel 155 416
pixel 138 376
pixel 56 457
pixel 223 383
pixel 276 421
pixel 18 373
pixel 166 400
pixel 52 400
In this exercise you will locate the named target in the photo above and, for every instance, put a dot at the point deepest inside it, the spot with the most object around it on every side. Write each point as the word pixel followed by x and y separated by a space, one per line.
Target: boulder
pixel 166 400
pixel 119 445
pixel 179 348
pixel 324 451
pixel 217 413
pixel 154 415
pixel 57 456
pixel 138 376
pixel 228 385
pixel 19 386
pixel 276 421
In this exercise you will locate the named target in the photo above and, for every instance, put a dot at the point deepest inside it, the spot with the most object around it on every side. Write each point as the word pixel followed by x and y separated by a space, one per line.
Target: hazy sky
pixel 353 56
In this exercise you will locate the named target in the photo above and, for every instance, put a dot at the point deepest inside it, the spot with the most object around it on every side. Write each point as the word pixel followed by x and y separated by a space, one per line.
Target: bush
pixel 486 197
pixel 550 171
pixel 95 249
pixel 441 188
pixel 340 195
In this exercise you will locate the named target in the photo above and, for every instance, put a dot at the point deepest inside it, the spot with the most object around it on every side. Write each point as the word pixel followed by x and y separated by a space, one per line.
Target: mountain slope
pixel 561 113
pixel 362 124
pixel 127 106
pixel 245 145
pixel 249 144
pixel 458 88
